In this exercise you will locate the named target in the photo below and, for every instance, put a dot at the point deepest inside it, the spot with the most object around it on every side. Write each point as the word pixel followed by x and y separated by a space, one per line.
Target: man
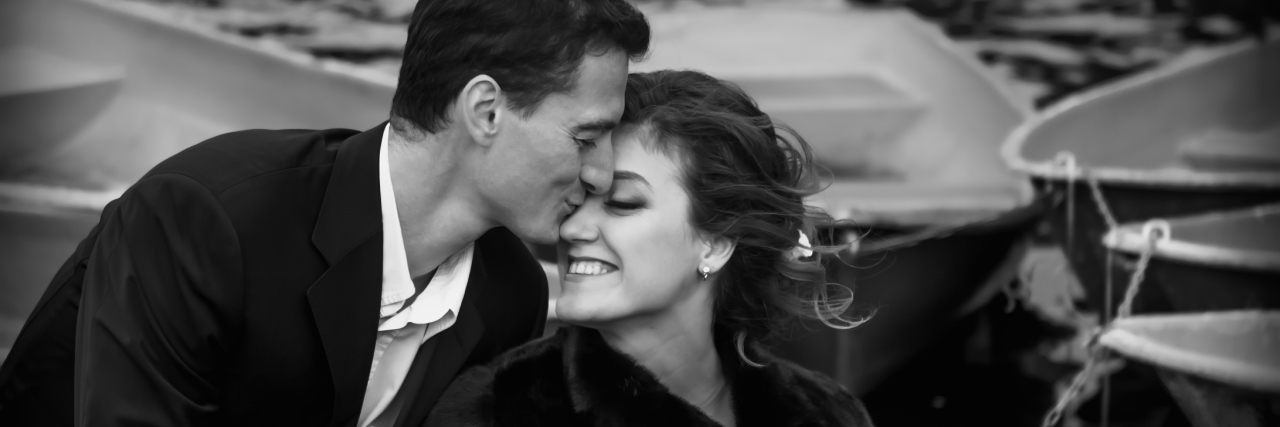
pixel 335 277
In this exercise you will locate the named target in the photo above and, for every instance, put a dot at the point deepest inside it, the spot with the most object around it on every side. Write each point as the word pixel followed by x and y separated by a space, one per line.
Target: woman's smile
pixel 589 266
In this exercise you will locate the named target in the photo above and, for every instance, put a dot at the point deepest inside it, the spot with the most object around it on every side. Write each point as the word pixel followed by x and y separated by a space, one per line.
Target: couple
pixel 378 278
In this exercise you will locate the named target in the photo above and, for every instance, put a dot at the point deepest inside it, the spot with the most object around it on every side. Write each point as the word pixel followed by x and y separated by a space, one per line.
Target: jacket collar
pixel 351 211
pixel 344 301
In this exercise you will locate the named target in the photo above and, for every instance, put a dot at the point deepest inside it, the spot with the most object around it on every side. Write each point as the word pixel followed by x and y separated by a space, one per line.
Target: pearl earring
pixel 706 271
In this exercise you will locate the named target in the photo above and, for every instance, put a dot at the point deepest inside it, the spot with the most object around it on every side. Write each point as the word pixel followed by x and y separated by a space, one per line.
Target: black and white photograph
pixel 648 213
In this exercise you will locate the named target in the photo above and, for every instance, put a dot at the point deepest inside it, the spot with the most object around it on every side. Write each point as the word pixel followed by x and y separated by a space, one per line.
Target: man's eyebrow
pixel 630 176
pixel 601 125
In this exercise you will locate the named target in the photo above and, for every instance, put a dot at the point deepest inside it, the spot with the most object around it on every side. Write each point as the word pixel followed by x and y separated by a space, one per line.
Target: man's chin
pixel 539 235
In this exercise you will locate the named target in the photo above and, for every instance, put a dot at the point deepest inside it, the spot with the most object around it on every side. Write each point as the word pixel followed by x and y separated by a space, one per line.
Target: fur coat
pixel 574 379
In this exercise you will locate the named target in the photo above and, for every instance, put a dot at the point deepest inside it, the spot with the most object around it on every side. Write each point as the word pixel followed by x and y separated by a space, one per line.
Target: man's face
pixel 544 165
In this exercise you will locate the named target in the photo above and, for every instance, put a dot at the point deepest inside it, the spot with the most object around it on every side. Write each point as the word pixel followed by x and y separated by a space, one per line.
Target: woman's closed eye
pixel 585 144
pixel 624 205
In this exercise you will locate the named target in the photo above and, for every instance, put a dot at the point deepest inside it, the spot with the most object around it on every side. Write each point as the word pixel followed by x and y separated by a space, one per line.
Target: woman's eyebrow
pixel 630 176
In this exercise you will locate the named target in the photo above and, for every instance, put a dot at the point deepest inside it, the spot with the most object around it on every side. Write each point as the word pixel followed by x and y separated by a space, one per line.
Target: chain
pixel 1152 232
pixel 1077 384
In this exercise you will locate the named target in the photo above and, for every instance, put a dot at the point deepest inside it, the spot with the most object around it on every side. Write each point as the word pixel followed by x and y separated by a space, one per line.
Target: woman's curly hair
pixel 747 179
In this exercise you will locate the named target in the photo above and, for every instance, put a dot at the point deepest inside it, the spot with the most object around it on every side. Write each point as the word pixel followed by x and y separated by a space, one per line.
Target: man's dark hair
pixel 532 48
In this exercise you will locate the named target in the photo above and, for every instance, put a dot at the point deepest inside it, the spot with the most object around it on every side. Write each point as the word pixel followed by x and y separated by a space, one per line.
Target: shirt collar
pixel 443 294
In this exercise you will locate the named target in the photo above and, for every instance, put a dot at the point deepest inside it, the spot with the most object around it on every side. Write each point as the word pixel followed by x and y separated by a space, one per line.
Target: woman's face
pixel 632 251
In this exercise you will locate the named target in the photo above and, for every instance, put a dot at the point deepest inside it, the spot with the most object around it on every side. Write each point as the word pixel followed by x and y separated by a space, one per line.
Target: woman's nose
pixel 580 226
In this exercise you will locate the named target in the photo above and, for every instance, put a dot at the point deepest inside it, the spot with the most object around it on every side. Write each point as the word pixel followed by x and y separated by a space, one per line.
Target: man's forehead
pixel 600 75
pixel 595 99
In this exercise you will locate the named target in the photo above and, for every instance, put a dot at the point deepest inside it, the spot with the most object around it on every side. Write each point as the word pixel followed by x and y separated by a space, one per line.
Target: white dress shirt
pixel 402 332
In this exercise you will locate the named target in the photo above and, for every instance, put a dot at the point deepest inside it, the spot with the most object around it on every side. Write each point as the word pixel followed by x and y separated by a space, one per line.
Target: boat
pixel 1223 368
pixel 909 127
pixel 41 110
pixel 1209 262
pixel 1199 134
pixel 93 93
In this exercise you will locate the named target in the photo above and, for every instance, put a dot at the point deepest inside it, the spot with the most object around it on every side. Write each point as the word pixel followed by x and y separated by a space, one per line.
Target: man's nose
pixel 597 167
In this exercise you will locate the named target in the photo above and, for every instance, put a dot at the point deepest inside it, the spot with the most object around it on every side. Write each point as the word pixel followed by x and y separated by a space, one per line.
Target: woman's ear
pixel 479 105
pixel 716 252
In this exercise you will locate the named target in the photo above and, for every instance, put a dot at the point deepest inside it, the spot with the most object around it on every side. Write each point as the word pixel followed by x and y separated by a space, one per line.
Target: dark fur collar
pixel 575 379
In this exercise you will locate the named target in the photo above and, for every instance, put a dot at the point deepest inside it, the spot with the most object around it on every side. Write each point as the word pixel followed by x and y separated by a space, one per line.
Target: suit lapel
pixel 345 300
pixel 453 347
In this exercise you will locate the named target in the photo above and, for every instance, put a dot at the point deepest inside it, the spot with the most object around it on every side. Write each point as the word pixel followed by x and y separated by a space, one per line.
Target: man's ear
pixel 479 108
pixel 716 252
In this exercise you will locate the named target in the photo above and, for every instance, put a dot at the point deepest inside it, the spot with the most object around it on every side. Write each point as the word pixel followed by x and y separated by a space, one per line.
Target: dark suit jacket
pixel 238 283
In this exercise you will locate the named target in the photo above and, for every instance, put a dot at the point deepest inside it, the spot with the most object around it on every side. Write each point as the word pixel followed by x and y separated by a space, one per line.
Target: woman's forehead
pixel 634 153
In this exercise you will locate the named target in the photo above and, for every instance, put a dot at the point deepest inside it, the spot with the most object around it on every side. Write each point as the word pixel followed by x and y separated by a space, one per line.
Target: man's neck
pixel 439 212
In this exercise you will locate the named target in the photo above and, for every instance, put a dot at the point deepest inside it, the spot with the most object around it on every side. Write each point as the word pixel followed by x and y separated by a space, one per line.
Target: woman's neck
pixel 677 345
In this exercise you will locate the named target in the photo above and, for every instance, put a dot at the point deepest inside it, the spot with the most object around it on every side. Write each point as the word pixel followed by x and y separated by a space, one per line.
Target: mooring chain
pixel 1095 355
pixel 1152 232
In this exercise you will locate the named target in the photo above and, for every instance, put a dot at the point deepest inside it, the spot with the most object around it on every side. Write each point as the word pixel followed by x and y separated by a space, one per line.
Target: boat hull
pixel 1188 288
pixel 917 287
pixel 1208 403
pixel 1082 234
pixel 1216 261
pixel 1222 368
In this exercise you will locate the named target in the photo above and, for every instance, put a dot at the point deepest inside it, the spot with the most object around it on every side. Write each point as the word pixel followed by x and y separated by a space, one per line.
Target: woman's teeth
pixel 589 268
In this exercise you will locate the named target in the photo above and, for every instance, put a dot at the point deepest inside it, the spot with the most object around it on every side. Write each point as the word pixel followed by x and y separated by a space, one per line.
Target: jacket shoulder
pixel 522 387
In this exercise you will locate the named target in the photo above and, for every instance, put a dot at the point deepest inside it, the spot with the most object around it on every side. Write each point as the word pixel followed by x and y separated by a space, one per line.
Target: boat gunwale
pixel 1012 148
pixel 1215 367
pixel 1128 238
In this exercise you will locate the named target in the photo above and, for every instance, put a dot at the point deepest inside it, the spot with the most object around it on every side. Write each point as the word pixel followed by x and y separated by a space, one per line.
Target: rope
pixel 1068 160
pixel 1152 232
pixel 1096 190
pixel 1105 210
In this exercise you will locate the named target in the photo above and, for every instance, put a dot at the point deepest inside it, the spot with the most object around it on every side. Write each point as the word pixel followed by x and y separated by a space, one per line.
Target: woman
pixel 697 254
